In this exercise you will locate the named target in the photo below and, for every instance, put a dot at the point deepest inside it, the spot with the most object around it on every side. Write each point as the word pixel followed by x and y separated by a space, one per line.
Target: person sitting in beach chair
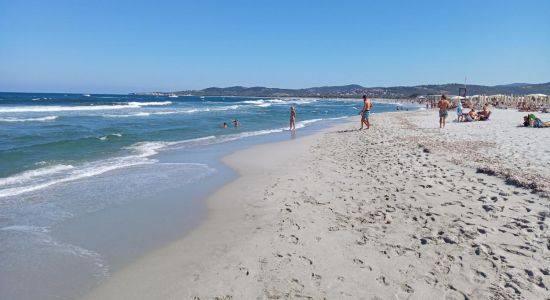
pixel 484 114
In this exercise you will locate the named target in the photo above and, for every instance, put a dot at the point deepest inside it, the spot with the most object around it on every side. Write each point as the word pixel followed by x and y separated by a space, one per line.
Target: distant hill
pixel 354 90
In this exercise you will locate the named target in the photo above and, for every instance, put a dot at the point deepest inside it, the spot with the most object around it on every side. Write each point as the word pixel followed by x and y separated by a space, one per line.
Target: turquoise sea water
pixel 89 182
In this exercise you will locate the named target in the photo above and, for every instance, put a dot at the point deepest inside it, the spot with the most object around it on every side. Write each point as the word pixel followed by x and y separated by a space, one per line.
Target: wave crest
pixel 41 119
pixel 52 108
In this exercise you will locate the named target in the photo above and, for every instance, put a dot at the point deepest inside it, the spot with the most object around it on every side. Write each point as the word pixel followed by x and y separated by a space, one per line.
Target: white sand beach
pixel 401 211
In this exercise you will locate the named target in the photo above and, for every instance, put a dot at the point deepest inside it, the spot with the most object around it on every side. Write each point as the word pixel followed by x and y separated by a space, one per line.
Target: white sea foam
pixel 222 108
pixel 303 101
pixel 256 102
pixel 195 110
pixel 201 139
pixel 262 102
pixel 139 154
pixel 29 176
pixel 269 102
pixel 140 114
pixel 104 138
pixel 37 179
pixel 46 242
pixel 207 140
pixel 85 171
pixel 40 119
pixel 171 112
pixel 26 228
pixel 101 266
pixel 146 149
pixel 214 108
pixel 300 100
pixel 43 108
pixel 305 122
pixel 300 124
pixel 158 103
pixel 165 112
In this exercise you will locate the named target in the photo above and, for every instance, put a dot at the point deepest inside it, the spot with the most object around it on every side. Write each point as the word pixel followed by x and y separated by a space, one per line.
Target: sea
pixel 90 182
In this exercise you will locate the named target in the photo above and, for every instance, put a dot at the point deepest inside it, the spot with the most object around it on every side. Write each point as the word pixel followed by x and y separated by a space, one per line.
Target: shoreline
pixel 85 228
pixel 293 226
pixel 152 200
pixel 219 215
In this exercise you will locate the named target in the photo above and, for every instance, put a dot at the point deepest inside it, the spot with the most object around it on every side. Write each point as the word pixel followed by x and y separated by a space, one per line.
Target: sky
pixel 122 46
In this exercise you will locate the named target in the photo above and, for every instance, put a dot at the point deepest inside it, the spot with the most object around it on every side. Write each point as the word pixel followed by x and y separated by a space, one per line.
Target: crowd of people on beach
pixel 365 113
pixel 444 105
pixel 524 107
pixel 472 115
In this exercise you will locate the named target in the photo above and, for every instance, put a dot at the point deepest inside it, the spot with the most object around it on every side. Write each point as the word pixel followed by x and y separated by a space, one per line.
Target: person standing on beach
pixel 443 105
pixel 459 110
pixel 292 118
pixel 365 112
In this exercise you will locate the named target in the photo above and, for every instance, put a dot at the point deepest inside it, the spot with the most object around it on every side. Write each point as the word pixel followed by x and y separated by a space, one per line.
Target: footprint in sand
pixel 383 280
pixel 309 261
pixel 244 270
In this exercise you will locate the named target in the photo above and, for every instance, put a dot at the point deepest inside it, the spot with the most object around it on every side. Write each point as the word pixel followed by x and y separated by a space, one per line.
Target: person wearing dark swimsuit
pixel 365 112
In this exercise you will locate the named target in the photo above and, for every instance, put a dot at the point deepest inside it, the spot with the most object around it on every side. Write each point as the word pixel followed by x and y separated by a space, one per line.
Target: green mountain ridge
pixel 355 90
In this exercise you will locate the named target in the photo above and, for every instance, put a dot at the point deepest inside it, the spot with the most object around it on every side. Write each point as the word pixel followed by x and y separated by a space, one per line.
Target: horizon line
pixel 259 86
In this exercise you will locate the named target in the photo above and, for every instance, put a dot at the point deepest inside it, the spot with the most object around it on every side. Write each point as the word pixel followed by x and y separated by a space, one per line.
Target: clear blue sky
pixel 125 46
